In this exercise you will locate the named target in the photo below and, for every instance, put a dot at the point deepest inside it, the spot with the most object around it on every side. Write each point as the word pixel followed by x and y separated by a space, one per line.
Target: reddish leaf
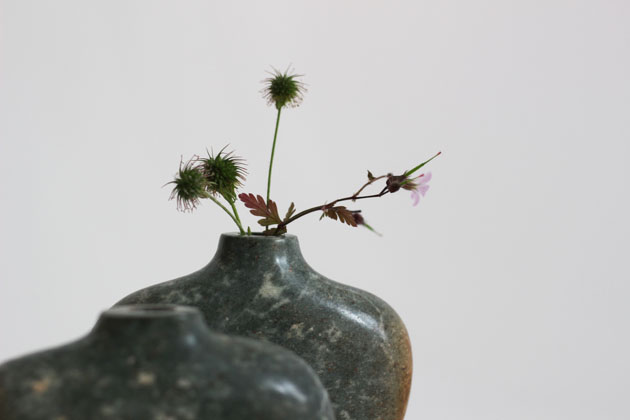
pixel 290 212
pixel 267 211
pixel 340 213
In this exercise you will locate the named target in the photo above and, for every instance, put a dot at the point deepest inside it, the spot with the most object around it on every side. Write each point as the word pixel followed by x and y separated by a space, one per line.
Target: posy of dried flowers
pixel 218 177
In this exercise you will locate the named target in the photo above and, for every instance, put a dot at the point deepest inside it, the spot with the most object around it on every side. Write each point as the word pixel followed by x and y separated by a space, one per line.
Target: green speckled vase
pixel 261 287
pixel 161 363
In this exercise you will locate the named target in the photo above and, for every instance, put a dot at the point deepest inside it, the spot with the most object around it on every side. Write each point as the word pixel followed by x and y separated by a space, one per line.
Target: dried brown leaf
pixel 340 213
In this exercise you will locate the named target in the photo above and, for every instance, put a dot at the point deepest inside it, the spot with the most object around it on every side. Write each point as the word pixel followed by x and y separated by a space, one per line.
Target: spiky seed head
pixel 190 186
pixel 223 173
pixel 283 89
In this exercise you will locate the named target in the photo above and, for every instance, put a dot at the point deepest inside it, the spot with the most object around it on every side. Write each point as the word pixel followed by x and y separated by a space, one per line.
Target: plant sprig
pixel 281 90
pixel 218 177
pixel 212 177
pixel 267 211
pixel 331 210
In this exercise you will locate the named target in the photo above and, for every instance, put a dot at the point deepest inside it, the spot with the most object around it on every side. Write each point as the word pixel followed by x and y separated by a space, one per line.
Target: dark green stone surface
pixel 261 287
pixel 161 363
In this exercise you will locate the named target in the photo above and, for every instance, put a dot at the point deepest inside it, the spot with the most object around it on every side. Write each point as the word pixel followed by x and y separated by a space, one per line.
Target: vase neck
pixel 281 251
pixel 142 325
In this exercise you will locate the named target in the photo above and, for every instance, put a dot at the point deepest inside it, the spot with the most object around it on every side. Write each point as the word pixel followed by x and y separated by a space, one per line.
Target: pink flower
pixel 420 187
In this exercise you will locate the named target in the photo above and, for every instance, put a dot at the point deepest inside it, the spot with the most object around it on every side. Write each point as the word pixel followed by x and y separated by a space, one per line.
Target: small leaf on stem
pixel 340 213
pixel 267 211
pixel 290 212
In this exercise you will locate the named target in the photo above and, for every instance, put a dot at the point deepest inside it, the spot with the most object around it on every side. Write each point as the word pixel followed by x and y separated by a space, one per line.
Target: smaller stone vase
pixel 160 362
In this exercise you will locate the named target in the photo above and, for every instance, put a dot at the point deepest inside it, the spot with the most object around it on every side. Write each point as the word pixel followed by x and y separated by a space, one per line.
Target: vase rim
pixel 259 236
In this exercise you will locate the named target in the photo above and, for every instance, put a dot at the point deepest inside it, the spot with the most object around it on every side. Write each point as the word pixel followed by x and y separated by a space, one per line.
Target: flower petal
pixel 415 197
pixel 425 178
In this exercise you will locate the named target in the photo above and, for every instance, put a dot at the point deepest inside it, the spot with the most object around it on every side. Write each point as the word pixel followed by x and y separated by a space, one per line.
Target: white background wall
pixel 512 275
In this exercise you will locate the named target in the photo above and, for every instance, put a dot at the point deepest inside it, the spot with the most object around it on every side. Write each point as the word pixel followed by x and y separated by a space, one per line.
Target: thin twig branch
pixel 330 205
pixel 371 181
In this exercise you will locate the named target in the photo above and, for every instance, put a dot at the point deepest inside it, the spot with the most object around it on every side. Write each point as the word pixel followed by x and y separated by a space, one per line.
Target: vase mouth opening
pixel 150 311
pixel 258 236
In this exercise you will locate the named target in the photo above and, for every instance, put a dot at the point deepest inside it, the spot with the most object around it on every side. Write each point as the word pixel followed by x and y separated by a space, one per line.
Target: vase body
pixel 261 287
pixel 160 363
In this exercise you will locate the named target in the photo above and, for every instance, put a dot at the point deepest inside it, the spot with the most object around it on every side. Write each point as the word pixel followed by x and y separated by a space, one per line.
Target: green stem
pixel 238 223
pixel 409 172
pixel 238 219
pixel 273 151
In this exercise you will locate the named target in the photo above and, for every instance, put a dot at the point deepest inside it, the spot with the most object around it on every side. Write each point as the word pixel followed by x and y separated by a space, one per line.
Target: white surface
pixel 512 275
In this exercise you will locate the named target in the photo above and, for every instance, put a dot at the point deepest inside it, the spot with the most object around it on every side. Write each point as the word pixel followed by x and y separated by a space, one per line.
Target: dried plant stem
pixel 273 151
pixel 330 205
pixel 356 194
pixel 235 218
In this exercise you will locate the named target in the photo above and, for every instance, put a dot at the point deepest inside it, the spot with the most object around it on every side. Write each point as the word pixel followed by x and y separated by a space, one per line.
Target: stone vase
pixel 161 363
pixel 261 287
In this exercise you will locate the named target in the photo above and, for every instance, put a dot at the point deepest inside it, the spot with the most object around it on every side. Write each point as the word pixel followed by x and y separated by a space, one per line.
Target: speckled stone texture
pixel 261 287
pixel 161 363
